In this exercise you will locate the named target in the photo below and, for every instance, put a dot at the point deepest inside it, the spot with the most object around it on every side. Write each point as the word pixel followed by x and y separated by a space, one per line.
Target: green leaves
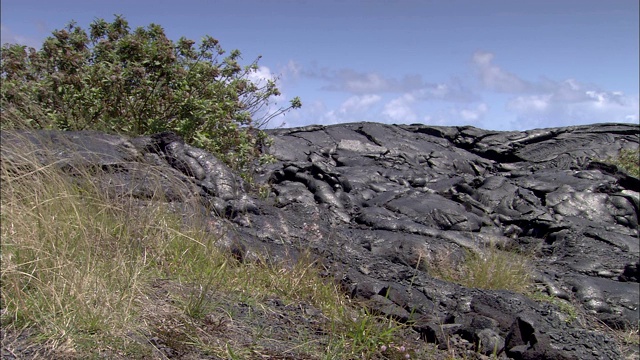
pixel 296 103
pixel 140 82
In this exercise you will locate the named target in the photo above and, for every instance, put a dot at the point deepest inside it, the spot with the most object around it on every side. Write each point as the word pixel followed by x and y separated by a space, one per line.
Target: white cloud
pixel 453 91
pixel 400 110
pixel 439 91
pixel 312 112
pixel 262 113
pixel 494 77
pixel 332 117
pixel 356 82
pixel 549 103
pixel 352 109
pixel 293 68
pixel 261 74
pixel 457 115
pixel 291 71
pixel 530 104
pixel 359 103
pixel 472 115
pixel 513 101
pixel 308 114
pixel 550 110
pixel 370 82
pixel 569 90
pixel 632 118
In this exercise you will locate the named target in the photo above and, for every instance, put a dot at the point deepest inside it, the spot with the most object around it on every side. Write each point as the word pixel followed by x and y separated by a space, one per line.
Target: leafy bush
pixel 139 82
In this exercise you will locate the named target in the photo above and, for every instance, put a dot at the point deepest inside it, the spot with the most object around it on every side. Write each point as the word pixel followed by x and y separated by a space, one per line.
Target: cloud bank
pixel 547 102
pixel 491 97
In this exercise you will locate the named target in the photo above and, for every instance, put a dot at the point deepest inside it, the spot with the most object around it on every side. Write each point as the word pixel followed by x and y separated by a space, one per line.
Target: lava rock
pixel 379 205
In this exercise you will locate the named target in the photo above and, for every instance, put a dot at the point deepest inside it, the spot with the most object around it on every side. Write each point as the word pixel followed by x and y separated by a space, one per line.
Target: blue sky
pixel 494 64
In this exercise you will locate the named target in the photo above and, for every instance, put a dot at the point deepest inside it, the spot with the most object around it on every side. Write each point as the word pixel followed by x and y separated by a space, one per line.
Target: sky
pixel 493 64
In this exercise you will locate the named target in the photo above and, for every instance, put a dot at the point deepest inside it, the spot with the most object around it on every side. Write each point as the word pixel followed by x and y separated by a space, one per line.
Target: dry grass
pixel 72 260
pixel 493 269
pixel 84 274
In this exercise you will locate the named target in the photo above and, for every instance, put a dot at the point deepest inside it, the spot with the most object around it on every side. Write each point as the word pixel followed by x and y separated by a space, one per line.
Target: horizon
pixel 495 65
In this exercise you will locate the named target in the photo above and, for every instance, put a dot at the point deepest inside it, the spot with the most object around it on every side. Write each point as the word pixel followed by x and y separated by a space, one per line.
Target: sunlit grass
pixel 80 269
pixel 493 269
pixel 629 160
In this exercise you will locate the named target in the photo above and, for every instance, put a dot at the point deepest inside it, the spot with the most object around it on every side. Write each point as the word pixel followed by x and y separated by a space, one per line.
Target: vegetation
pixel 92 275
pixel 86 275
pixel 493 269
pixel 568 311
pixel 629 160
pixel 140 82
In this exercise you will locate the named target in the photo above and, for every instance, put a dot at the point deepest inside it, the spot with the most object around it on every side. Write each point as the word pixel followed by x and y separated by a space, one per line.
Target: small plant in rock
pixel 631 339
pixel 494 269
pixel 393 351
pixel 568 310
pixel 115 79
pixel 629 160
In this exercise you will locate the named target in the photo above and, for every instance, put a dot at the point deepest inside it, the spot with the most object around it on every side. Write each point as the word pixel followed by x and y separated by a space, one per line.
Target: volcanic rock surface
pixel 378 204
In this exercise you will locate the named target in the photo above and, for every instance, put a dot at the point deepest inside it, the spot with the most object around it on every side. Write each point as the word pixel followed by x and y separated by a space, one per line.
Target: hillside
pixel 355 240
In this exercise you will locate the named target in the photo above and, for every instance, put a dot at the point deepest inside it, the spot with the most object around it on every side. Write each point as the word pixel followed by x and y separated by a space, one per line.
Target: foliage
pixel 90 275
pixel 138 82
pixel 493 269
pixel 568 311
pixel 629 160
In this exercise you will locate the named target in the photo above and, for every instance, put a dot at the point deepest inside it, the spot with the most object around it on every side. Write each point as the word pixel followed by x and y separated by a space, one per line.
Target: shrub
pixel 139 82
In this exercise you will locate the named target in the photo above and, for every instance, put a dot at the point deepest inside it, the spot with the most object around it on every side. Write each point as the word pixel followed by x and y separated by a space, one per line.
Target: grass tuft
pixel 493 269
pixel 629 160
pixel 87 274
pixel 568 311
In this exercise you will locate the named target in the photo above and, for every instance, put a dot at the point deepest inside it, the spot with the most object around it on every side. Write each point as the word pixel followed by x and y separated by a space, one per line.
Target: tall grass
pixel 80 270
pixel 72 260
